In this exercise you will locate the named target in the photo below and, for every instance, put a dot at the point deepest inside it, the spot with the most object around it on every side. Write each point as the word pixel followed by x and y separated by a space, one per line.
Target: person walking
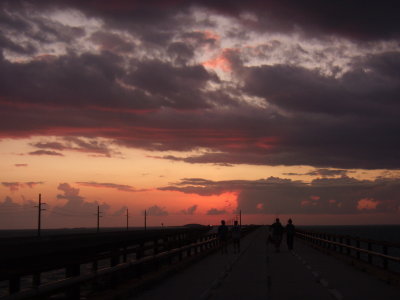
pixel 290 233
pixel 223 237
pixel 277 232
pixel 236 237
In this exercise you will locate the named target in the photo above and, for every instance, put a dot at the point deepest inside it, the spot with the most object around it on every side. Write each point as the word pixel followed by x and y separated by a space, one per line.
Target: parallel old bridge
pixel 185 264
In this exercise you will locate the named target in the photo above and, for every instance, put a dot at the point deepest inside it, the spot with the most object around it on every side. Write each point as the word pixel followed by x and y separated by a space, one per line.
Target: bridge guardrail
pixel 378 254
pixel 147 261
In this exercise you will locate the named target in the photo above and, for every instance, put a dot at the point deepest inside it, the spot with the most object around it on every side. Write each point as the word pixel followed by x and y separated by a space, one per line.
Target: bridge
pixel 319 267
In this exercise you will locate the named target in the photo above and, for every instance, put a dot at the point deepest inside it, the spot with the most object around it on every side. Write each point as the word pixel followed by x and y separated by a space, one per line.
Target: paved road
pixel 260 273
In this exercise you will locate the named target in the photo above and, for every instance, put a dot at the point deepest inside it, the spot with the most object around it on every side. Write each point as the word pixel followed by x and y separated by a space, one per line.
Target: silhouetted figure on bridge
pixel 223 237
pixel 236 237
pixel 277 232
pixel 290 232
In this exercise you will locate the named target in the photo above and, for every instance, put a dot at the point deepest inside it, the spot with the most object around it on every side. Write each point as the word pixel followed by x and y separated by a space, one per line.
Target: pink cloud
pixel 367 204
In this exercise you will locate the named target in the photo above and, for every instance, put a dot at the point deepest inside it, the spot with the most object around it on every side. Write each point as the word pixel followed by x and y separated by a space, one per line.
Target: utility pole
pixel 145 220
pixel 127 219
pixel 40 209
pixel 240 218
pixel 98 218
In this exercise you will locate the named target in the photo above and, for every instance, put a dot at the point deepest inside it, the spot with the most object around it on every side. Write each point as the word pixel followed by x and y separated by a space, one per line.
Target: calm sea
pixel 62 231
pixel 388 233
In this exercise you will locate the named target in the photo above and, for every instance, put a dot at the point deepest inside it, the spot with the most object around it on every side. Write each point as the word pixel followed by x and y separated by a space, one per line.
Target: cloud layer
pixel 254 82
pixel 327 195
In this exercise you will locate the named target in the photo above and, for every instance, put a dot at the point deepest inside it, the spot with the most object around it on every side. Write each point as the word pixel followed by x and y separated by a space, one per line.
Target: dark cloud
pixel 21 165
pixel 15 186
pixel 17 215
pixel 120 212
pixel 138 80
pixel 91 146
pixel 120 187
pixel 323 173
pixel 341 195
pixel 177 87
pixel 76 205
pixel 216 212
pixel 157 211
pixel 363 20
pixel 45 152
pixel 190 210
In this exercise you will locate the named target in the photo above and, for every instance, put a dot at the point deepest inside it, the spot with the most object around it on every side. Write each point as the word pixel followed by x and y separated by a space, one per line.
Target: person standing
pixel 223 237
pixel 277 232
pixel 236 237
pixel 290 233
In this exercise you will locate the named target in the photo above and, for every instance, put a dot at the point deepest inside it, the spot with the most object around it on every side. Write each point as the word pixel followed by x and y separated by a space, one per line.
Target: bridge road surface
pixel 260 273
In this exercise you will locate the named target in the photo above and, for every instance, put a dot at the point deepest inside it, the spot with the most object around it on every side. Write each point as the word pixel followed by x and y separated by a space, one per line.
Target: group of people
pixel 223 234
pixel 275 236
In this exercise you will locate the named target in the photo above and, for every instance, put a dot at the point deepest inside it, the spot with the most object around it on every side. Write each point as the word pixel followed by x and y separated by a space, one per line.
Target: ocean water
pixel 387 233
pixel 5 233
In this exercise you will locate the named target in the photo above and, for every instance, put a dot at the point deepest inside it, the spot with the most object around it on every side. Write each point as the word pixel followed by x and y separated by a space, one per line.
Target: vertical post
pixel 39 214
pixel 98 218
pixel 127 219
pixel 240 218
pixel 40 209
pixel 145 220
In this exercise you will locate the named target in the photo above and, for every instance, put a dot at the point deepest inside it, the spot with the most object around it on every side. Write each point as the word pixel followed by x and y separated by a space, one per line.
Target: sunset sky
pixel 194 110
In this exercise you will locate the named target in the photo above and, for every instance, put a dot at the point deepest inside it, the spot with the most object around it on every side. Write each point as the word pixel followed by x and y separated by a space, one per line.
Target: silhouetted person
pixel 290 232
pixel 236 237
pixel 223 237
pixel 277 232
